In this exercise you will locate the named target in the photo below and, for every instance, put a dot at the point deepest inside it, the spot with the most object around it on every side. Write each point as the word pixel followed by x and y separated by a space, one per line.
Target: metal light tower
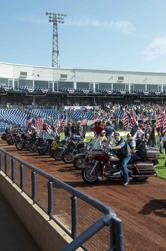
pixel 55 18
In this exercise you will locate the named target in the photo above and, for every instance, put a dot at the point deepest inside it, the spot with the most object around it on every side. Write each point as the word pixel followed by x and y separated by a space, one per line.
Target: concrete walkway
pixel 13 235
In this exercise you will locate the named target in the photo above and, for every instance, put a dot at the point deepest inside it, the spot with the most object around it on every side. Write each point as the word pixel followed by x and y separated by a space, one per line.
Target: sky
pixel 127 35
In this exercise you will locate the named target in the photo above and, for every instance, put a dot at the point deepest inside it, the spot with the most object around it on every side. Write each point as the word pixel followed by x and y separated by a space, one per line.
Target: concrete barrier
pixel 46 233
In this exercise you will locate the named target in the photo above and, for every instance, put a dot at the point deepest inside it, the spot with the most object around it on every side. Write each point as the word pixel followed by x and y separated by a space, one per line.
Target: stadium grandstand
pixel 26 85
pixel 40 106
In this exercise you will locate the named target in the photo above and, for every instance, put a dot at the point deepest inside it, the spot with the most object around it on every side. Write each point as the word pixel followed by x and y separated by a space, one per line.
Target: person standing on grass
pixel 163 140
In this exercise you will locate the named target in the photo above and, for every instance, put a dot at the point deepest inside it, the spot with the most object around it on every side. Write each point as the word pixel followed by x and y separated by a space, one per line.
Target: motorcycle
pixel 10 135
pixel 26 141
pixel 54 146
pixel 67 151
pixel 79 158
pixel 71 151
pixel 99 164
pixel 44 146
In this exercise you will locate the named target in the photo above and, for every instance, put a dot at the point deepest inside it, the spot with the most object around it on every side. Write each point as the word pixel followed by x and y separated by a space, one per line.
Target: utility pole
pixel 55 18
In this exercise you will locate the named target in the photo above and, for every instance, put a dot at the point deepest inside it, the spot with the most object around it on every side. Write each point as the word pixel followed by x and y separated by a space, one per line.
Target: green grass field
pixel 161 167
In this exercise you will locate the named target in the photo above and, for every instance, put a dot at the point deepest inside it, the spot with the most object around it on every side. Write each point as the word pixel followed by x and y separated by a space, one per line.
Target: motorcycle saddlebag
pixel 145 168
pixel 153 154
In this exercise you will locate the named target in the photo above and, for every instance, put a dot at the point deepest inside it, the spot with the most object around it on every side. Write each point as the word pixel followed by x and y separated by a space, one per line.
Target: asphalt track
pixel 141 206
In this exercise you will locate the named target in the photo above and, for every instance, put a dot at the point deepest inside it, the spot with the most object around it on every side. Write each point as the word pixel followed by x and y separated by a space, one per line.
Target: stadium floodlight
pixel 55 18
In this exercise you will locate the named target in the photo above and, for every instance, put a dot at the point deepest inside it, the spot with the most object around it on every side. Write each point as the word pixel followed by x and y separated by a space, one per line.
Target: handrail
pixel 109 218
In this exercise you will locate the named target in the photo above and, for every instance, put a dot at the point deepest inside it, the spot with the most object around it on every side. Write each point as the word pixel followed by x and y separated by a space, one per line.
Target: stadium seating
pixel 15 116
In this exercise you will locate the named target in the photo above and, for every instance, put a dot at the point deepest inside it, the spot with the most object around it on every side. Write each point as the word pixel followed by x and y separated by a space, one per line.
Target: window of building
pixel 50 85
pixel 107 86
pixel 55 86
pixel 10 82
pixel 41 84
pixel 120 87
pixel 65 85
pixel 63 76
pixel 23 74
pixel 82 85
pixel 91 86
pixel 138 87
pixel 153 88
pixel 164 88
pixel 3 81
pixel 25 83
pixel 120 78
pixel 16 84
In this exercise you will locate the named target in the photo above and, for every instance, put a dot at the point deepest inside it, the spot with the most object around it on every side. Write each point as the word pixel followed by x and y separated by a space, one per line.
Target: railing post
pixel 74 212
pixel 119 239
pixel 0 161
pixel 50 198
pixel 21 177
pixel 5 167
pixel 117 236
pixel 12 169
pixel 33 179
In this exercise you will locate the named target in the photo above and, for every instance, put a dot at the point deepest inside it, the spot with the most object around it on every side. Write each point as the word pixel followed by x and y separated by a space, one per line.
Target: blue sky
pixel 97 34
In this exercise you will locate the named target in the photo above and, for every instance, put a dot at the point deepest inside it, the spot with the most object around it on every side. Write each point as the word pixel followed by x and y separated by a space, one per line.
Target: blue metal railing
pixel 9 164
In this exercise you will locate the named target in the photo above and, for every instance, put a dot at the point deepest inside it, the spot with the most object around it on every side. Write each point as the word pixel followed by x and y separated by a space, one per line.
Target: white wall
pixel 8 70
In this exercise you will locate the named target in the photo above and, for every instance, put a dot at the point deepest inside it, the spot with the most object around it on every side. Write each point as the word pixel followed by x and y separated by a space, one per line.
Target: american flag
pixel 164 125
pixel 84 122
pixel 29 120
pixel 129 119
pixel 44 90
pixel 160 120
pixel 85 91
pixel 71 91
pixel 144 117
pixel 133 118
pixel 126 119
pixel 30 90
pixel 39 123
pixel 123 92
pixel 60 127
pixel 109 92
pixel 47 127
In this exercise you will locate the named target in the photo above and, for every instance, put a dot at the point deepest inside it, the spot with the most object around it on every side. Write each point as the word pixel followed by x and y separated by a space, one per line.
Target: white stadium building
pixel 81 85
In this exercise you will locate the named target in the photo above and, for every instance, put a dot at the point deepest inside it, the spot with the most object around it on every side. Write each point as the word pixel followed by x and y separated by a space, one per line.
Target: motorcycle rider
pixel 123 153
pixel 140 132
pixel 131 143
pixel 109 129
pixel 67 130
pixel 141 151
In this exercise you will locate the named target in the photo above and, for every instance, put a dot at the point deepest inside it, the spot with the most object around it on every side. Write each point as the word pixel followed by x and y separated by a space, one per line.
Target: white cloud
pixel 155 49
pixel 123 26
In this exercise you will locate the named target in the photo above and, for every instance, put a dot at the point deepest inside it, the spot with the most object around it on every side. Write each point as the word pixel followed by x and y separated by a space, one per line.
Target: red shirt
pixel 98 129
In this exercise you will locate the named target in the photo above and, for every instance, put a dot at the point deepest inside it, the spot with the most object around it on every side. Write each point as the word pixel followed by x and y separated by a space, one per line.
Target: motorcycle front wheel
pixel 68 157
pixel 9 142
pixel 78 162
pixel 41 151
pixel 58 154
pixel 89 175
pixel 32 148
pixel 19 145
pixel 3 136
